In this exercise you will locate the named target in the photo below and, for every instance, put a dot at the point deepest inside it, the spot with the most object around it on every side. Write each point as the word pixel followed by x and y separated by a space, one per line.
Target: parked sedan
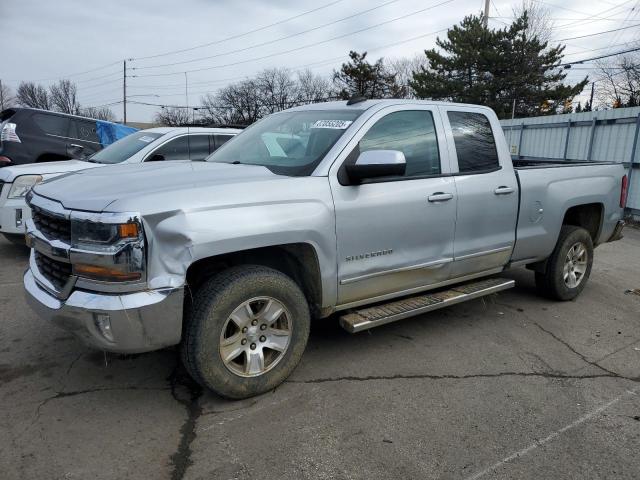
pixel 152 145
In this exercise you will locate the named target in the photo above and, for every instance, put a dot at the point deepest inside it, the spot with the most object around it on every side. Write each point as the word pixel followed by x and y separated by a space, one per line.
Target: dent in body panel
pixel 179 238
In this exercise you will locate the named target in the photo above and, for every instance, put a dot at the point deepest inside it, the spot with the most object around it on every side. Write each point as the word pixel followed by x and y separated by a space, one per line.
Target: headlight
pixel 105 251
pixel 21 185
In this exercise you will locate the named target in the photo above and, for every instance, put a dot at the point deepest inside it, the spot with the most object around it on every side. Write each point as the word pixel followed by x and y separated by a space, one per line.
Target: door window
pixel 411 132
pixel 221 140
pixel 176 149
pixel 475 143
pixel 52 124
pixel 198 147
pixel 85 131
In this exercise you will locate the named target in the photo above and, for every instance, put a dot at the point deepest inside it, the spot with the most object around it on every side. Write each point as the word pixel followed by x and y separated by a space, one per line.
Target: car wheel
pixel 247 330
pixel 569 266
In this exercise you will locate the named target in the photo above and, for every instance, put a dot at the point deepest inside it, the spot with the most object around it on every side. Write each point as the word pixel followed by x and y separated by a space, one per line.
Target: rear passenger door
pixel 487 206
pixel 84 139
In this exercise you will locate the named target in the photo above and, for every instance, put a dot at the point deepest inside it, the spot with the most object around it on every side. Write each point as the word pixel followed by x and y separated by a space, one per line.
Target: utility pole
pixel 1 96
pixel 485 18
pixel 124 91
pixel 593 84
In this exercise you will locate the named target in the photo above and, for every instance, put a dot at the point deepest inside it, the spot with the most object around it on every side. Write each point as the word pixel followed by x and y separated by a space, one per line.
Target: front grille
pixel 56 272
pixel 51 226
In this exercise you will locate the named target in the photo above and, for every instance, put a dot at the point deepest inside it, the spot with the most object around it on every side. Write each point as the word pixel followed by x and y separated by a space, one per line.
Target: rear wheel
pixel 569 266
pixel 247 331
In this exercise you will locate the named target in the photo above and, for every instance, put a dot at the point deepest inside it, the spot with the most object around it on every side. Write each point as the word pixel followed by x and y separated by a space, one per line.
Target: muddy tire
pixel 569 266
pixel 246 332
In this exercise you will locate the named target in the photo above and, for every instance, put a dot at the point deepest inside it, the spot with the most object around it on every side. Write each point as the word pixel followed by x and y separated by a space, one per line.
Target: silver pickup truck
pixel 374 210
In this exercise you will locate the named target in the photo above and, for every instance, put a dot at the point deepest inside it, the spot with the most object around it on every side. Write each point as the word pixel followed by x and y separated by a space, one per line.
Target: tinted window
pixel 198 147
pixel 86 131
pixel 410 132
pixel 176 149
pixel 51 124
pixel 124 148
pixel 221 140
pixel 475 144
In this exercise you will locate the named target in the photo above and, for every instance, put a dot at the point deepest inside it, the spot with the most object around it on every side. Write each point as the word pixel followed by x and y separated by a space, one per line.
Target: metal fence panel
pixel 607 135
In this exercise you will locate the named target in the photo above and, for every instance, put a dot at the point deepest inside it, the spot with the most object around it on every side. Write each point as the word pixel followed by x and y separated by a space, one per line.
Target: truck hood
pixel 9 174
pixel 149 187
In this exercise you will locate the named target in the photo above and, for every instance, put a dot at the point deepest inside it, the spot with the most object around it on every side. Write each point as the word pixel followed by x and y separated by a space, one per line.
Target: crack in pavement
pixel 464 377
pixel 181 458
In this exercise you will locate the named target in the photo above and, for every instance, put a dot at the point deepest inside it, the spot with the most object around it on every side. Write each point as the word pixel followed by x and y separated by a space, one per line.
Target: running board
pixel 369 317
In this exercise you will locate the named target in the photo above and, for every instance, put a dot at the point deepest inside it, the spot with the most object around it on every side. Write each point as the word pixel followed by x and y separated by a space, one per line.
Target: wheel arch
pixel 297 260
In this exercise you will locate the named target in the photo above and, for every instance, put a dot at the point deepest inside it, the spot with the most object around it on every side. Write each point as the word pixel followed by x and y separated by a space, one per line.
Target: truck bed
pixel 539 162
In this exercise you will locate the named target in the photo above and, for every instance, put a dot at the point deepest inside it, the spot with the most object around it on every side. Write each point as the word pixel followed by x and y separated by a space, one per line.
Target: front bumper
pixel 140 322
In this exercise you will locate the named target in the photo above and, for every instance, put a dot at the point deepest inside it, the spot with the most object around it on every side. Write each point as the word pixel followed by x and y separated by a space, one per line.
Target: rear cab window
pixel 474 141
pixel 51 124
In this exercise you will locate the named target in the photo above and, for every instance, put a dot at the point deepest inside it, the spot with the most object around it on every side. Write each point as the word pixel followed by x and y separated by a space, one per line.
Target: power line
pixel 591 18
pixel 77 73
pixel 314 44
pixel 270 42
pixel 600 57
pixel 598 33
pixel 233 37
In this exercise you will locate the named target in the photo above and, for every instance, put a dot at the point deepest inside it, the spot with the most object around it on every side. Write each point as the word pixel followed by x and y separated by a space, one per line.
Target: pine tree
pixel 494 67
pixel 370 80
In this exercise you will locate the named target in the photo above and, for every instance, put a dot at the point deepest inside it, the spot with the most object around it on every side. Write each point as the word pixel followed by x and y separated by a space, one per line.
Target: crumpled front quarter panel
pixel 231 218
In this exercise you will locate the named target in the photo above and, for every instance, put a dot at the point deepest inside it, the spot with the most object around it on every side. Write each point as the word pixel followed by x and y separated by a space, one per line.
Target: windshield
pixel 289 143
pixel 124 148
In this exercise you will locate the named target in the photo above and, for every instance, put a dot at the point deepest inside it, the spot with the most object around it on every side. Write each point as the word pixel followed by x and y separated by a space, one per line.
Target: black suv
pixel 29 135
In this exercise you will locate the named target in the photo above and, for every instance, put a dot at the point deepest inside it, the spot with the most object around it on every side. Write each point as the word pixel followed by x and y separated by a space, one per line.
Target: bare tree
pixel 32 95
pixel 172 116
pixel 404 68
pixel 276 89
pixel 99 113
pixel 541 22
pixel 238 103
pixel 6 97
pixel 619 82
pixel 313 88
pixel 63 97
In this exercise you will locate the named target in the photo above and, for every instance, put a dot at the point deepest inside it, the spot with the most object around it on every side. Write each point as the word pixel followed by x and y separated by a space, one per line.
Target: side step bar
pixel 369 317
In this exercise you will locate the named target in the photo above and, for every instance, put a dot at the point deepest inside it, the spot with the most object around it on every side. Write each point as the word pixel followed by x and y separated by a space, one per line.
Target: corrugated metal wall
pixel 607 135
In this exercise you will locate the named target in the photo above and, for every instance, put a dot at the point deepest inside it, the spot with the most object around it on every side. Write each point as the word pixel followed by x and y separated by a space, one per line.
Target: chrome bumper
pixel 140 322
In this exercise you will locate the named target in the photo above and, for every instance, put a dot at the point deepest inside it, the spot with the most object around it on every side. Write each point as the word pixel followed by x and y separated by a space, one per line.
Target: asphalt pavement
pixel 507 387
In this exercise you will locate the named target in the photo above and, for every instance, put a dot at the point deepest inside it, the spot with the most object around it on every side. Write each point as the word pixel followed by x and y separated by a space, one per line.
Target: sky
pixel 87 41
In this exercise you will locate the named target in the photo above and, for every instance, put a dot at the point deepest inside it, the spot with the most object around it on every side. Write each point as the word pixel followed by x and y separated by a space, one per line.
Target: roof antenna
pixel 356 99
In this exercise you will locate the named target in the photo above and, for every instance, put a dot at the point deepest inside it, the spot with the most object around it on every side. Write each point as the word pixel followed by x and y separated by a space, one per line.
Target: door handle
pixel 503 190
pixel 440 197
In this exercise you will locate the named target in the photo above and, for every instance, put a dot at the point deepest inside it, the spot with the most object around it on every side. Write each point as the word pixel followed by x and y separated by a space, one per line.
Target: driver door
pixel 395 234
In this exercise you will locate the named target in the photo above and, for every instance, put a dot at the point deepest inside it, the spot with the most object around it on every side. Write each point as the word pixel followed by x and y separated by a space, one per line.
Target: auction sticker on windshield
pixel 336 124
pixel 146 139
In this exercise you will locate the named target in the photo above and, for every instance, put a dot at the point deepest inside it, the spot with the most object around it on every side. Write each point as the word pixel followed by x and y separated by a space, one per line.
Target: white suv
pixel 154 144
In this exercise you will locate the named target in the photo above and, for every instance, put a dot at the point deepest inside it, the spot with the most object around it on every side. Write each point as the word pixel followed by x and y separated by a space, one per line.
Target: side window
pixel 176 149
pixel 221 140
pixel 86 131
pixel 51 124
pixel 475 144
pixel 413 133
pixel 198 146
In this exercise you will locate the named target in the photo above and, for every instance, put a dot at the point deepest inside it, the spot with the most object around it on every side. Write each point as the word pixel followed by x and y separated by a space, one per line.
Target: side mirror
pixel 377 163
pixel 156 157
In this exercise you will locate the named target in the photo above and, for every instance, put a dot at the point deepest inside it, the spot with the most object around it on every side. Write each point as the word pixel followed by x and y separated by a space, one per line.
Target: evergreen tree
pixel 579 108
pixel 494 67
pixel 370 80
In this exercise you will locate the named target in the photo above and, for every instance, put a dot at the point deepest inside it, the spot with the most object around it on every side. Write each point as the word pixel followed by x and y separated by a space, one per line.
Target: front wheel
pixel 247 331
pixel 569 266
